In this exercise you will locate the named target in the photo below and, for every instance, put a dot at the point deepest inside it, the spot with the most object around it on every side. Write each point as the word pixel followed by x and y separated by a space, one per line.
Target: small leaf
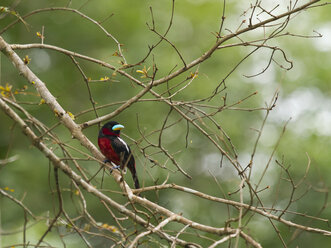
pixel 144 71
pixel 5 91
pixel 71 115
pixel 104 78
pixel 8 189
pixel 113 229
pixel 105 225
pixel 40 35
pixel 26 59
pixel 193 75
pixel 116 54
pixel 8 87
pixel 4 9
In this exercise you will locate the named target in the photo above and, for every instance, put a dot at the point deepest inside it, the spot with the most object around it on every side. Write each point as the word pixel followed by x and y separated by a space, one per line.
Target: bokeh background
pixel 304 96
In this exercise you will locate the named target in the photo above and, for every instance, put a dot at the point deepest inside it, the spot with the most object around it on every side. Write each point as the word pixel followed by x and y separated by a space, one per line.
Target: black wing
pixel 124 152
pixel 126 158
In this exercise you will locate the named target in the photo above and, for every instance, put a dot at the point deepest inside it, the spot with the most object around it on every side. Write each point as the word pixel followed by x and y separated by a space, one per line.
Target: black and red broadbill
pixel 116 150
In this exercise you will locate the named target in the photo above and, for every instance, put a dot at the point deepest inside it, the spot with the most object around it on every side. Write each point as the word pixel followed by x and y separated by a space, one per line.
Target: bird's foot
pixel 114 165
pixel 114 168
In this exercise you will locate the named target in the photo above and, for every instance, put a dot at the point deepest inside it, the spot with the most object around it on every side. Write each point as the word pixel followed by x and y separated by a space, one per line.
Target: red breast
pixel 108 151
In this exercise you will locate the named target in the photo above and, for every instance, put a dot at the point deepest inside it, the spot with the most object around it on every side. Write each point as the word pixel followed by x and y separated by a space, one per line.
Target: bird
pixel 116 150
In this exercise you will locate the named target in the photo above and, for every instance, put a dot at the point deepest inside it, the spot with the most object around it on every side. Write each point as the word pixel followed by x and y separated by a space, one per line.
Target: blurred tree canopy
pixel 226 106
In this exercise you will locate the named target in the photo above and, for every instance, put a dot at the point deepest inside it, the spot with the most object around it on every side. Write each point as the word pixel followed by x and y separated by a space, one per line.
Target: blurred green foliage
pixel 191 32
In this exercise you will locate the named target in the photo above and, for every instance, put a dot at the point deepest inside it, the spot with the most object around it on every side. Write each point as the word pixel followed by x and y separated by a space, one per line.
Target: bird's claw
pixel 114 165
pixel 114 168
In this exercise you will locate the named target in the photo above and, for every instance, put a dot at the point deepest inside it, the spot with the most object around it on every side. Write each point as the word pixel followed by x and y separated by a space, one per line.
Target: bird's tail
pixel 134 176
pixel 136 181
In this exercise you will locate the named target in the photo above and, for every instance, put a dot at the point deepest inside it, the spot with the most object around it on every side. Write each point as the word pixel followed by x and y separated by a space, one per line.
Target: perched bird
pixel 116 150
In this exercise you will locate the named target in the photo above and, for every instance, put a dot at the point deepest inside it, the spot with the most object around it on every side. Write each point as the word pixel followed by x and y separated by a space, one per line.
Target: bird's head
pixel 112 128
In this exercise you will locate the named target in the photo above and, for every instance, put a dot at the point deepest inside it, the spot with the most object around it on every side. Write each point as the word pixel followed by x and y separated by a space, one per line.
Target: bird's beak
pixel 117 127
